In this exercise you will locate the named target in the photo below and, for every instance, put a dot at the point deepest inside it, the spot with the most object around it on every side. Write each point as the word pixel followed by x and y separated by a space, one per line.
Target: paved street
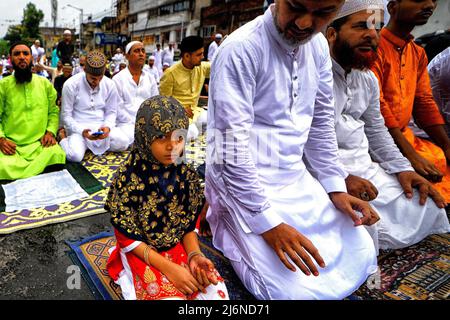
pixel 34 262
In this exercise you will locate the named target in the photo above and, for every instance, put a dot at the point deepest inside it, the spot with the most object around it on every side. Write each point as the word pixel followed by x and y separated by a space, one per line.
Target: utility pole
pixel 54 14
pixel 81 24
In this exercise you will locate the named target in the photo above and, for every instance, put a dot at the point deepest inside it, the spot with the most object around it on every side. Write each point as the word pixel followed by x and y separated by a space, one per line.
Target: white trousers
pixel 124 134
pixel 75 145
pixel 403 222
pixel 348 251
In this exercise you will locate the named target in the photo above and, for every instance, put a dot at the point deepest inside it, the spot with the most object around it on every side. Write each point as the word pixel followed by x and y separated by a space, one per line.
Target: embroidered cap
pixel 95 63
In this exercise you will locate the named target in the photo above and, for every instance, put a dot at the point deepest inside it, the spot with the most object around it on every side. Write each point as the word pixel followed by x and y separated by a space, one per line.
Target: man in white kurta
pixel 389 182
pixel 152 69
pixel 157 53
pixel 118 59
pixel 168 54
pixel 270 105
pixel 90 104
pixel 439 71
pixel 134 86
pixel 213 46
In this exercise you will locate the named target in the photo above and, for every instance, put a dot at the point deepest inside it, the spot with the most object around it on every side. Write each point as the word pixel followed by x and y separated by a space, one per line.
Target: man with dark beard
pixel 401 68
pixel 388 180
pixel 28 120
pixel 287 234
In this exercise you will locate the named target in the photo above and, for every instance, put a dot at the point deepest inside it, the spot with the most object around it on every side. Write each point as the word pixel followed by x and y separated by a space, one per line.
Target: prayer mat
pixel 91 255
pixel 95 175
pixel 196 151
pixel 42 190
pixel 419 272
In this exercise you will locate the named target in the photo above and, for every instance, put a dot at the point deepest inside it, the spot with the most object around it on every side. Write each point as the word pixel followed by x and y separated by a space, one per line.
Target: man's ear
pixel 392 7
pixel 331 35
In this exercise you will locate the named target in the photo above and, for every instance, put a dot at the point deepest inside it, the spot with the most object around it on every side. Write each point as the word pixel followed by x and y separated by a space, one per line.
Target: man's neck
pixel 403 31
pixel 135 70
pixel 187 65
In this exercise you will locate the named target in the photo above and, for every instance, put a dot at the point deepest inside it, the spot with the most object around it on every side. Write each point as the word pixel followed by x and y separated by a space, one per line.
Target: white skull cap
pixel 353 6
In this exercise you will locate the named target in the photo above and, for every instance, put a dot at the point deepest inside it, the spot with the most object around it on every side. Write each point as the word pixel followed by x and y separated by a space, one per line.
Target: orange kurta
pixel 401 68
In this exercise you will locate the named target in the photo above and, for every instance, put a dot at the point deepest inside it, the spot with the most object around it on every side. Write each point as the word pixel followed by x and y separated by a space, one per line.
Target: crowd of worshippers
pixel 326 87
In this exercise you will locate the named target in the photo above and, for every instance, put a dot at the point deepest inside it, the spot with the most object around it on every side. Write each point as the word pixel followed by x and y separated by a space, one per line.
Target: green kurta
pixel 27 111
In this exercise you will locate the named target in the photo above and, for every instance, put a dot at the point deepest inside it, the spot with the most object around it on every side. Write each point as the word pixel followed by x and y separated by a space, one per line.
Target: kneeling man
pixel 388 180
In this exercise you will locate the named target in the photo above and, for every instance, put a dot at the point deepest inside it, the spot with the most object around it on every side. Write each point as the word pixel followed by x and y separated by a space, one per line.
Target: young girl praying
pixel 154 202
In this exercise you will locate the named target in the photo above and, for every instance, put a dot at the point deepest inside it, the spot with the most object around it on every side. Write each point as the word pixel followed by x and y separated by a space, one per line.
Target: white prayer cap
pixel 354 6
pixel 166 64
pixel 130 45
pixel 151 58
pixel 68 32
pixel 218 36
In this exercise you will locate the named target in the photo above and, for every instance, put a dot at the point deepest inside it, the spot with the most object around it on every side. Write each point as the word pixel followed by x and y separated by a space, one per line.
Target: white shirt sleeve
pixel 321 149
pixel 233 87
pixel 67 105
pixel 112 103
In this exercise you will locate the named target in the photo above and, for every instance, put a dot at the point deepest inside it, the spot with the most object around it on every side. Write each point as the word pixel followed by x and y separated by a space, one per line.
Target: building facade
pixel 52 36
pixel 164 21
pixel 225 16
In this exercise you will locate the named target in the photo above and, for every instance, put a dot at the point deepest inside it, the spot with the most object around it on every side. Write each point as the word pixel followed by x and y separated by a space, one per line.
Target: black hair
pixel 191 44
pixel 18 43
pixel 338 23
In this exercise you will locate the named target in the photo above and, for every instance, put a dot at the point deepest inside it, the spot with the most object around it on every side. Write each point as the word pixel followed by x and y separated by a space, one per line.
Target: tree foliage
pixel 4 47
pixel 29 29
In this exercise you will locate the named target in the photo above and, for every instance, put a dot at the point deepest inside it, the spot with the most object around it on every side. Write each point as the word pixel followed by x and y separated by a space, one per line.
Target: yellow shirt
pixel 184 84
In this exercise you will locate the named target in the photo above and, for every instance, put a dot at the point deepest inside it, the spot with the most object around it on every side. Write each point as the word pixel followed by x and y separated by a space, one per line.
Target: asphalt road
pixel 34 263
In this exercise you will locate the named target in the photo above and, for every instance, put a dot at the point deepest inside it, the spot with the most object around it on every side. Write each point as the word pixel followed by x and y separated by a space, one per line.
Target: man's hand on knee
pixel 286 240
pixel 361 188
pixel 349 205
pixel 7 147
pixel 48 140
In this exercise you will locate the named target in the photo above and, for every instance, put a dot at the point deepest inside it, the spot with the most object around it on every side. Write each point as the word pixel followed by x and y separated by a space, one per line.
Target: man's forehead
pixel 137 46
pixel 20 48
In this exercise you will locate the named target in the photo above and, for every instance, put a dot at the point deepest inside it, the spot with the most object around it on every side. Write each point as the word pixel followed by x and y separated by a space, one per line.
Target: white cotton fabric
pixel 132 95
pixel 353 6
pixel 362 136
pixel 439 71
pixel 212 51
pixel 87 108
pixel 41 191
pixel 279 97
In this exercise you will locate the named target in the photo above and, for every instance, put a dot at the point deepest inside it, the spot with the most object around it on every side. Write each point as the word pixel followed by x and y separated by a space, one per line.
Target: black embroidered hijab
pixel 148 201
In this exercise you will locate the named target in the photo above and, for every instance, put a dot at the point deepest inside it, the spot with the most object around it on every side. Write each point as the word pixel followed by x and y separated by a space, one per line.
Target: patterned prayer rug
pixel 102 168
pixel 420 272
pixel 91 255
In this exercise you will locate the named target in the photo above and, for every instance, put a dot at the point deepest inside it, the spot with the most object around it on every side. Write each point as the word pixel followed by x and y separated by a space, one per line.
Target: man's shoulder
pixel 7 82
pixel 119 76
pixel 73 80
